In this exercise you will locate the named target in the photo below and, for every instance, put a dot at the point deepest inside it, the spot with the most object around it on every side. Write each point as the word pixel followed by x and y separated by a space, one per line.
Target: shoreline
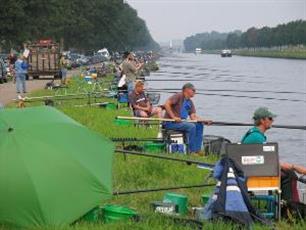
pixel 272 54
pixel 295 55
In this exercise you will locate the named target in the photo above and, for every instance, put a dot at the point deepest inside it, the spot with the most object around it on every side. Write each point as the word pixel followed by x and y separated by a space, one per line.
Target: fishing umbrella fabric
pixel 52 169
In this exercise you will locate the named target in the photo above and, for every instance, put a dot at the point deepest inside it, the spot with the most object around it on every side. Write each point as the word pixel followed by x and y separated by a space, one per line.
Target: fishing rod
pixel 237 96
pixel 61 97
pixel 134 139
pixel 217 123
pixel 56 96
pixel 221 123
pixel 232 90
pixel 100 104
pixel 203 165
pixel 173 79
pixel 117 193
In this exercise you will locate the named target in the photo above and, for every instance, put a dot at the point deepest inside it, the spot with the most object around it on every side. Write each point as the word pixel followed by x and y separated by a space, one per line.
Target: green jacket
pixel 254 136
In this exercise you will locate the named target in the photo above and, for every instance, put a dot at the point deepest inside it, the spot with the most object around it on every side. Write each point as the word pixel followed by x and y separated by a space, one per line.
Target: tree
pixel 83 25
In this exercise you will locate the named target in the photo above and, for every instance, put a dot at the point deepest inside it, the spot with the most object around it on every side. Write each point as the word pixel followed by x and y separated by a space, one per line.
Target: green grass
pixel 137 172
pixel 286 53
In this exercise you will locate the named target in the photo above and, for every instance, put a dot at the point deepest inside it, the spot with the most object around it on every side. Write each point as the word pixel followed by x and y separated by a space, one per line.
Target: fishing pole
pixel 237 96
pixel 134 139
pixel 233 90
pixel 100 104
pixel 61 97
pixel 221 123
pixel 217 123
pixel 171 79
pixel 199 163
pixel 117 193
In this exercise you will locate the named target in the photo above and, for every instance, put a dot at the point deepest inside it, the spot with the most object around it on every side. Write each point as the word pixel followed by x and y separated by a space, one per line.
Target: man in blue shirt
pixel 179 107
pixel 21 69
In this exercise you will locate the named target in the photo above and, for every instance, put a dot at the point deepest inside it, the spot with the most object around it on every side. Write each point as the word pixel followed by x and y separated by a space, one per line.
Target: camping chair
pixel 260 164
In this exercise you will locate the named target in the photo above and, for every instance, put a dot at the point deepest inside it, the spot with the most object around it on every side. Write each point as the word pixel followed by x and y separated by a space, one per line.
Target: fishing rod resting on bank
pixel 117 193
pixel 216 123
pixel 203 165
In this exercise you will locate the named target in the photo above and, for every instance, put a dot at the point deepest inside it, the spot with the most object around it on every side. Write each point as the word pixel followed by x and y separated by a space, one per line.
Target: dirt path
pixel 8 90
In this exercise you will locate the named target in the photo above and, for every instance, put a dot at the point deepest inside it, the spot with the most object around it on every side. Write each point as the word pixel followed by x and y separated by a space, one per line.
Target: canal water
pixel 230 89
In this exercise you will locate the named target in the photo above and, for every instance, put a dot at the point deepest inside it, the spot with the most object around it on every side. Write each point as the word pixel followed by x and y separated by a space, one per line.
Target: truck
pixel 43 59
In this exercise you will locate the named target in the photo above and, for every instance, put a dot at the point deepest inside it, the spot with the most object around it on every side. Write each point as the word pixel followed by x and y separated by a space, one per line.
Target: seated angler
pixel 141 104
pixel 179 107
pixel 263 120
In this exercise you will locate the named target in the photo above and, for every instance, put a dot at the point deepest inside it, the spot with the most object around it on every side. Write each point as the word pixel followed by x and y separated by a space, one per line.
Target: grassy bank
pixel 136 172
pixel 286 53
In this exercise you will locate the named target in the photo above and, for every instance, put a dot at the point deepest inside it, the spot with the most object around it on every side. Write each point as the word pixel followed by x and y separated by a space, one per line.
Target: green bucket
pixel 154 147
pixel 121 122
pixel 93 215
pixel 112 213
pixel 205 198
pixel 180 200
pixel 111 106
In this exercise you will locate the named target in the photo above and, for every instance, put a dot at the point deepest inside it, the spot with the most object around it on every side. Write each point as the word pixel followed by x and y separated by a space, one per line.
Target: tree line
pixel 82 25
pixel 292 33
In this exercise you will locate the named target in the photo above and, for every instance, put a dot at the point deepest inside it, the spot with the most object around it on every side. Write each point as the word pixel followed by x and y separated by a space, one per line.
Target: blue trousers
pixel 20 83
pixel 194 132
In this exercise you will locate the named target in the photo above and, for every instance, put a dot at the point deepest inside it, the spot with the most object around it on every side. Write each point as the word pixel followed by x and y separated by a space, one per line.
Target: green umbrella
pixel 52 169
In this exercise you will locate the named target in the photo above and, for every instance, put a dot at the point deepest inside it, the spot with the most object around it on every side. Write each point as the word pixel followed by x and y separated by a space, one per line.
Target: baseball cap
pixel 189 86
pixel 263 112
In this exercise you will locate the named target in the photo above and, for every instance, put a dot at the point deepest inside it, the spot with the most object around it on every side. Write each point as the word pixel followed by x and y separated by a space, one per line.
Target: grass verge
pixel 136 172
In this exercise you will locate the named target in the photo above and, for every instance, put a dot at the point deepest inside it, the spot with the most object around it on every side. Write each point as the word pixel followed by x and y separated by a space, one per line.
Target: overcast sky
pixel 176 19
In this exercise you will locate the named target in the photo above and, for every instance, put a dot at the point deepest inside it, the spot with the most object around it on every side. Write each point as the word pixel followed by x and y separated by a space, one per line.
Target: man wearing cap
pixel 141 104
pixel 263 120
pixel 179 107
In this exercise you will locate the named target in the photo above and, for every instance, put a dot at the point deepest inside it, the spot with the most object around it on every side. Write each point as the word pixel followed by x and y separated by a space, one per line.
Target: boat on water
pixel 226 53
pixel 198 51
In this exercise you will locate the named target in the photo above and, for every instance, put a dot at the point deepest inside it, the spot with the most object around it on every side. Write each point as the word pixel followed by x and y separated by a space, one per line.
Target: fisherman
pixel 179 107
pixel 141 103
pixel 263 120
pixel 130 69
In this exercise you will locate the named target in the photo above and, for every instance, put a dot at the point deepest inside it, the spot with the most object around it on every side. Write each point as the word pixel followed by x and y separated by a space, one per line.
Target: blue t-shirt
pixel 186 109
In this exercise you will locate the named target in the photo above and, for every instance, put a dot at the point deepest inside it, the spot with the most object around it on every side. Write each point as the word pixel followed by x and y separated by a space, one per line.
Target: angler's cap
pixel 263 112
pixel 189 86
